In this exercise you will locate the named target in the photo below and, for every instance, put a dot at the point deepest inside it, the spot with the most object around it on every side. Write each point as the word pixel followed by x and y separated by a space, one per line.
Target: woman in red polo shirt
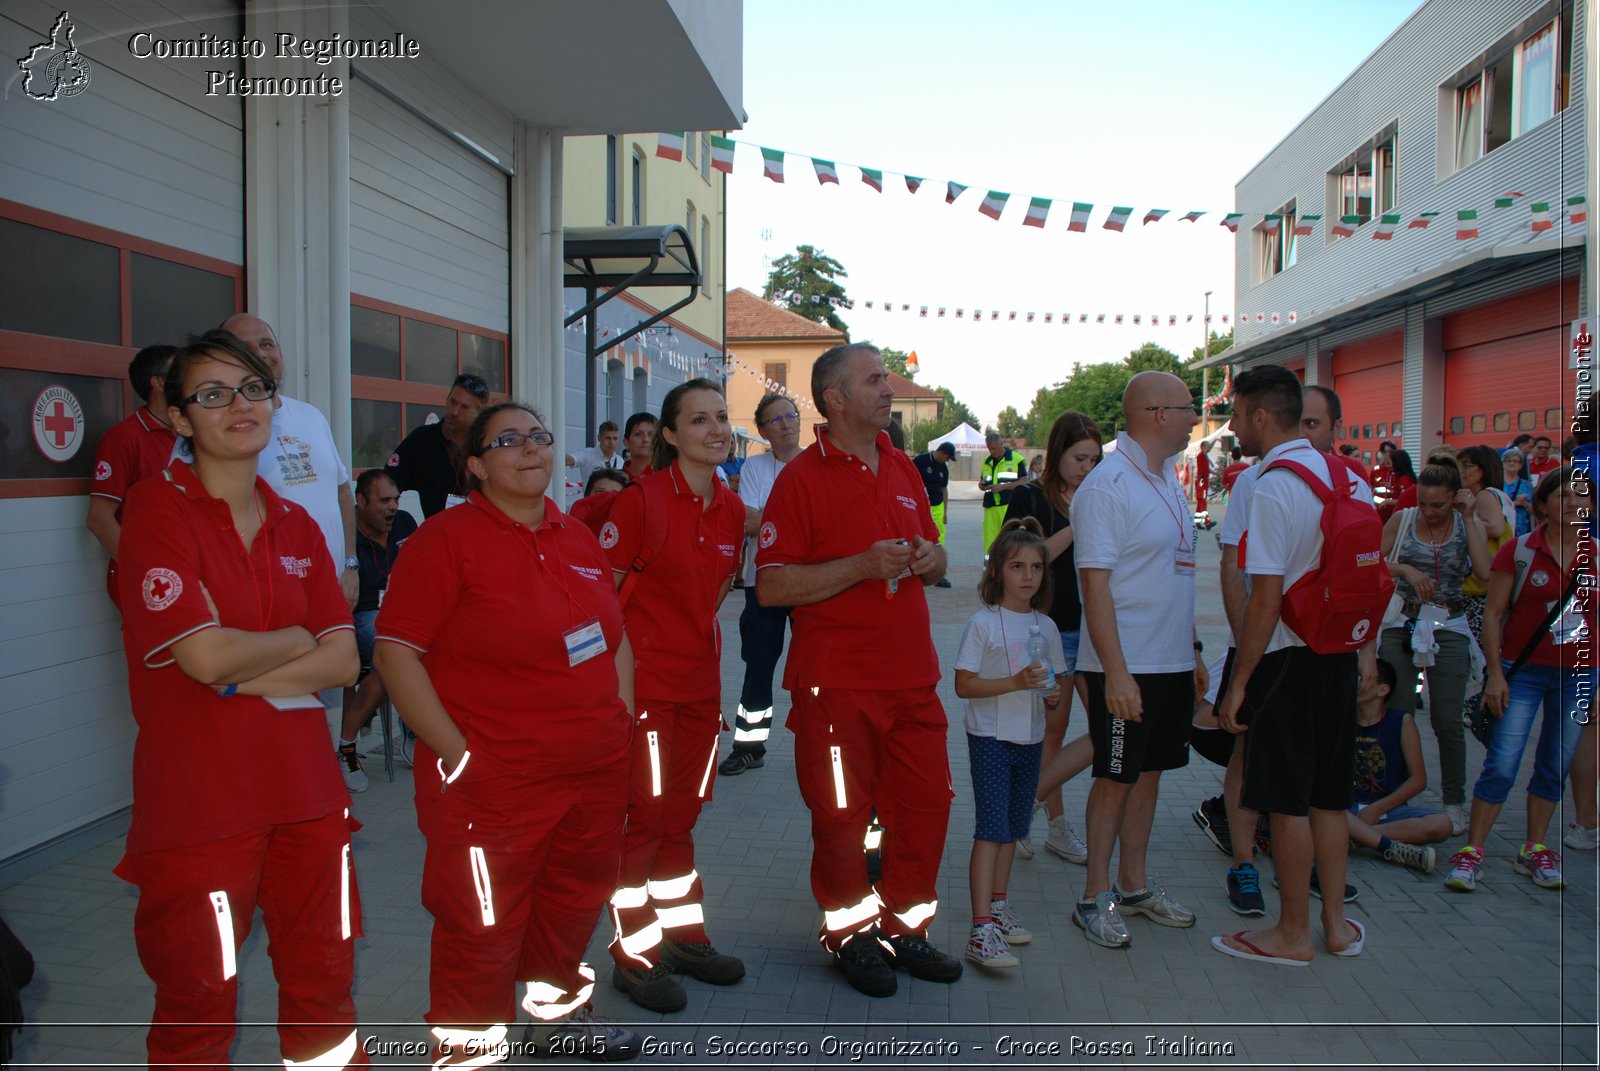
pixel 231 615
pixel 673 540
pixel 500 640
pixel 1559 674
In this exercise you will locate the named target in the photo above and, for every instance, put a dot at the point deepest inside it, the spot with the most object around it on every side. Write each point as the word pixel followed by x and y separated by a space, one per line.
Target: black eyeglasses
pixel 257 390
pixel 475 386
pixel 516 440
pixel 1181 408
pixel 783 419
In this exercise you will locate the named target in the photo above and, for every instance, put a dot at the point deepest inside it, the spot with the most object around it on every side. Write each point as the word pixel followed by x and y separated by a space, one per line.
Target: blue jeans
pixel 366 635
pixel 1562 693
pixel 761 631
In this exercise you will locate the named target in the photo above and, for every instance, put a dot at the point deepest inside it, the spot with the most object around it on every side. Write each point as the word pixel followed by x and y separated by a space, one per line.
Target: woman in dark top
pixel 1073 450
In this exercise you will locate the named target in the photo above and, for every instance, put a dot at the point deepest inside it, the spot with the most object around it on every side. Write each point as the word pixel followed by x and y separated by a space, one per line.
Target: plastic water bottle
pixel 1037 652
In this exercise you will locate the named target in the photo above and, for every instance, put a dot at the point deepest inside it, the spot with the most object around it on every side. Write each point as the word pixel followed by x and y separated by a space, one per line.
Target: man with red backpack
pixel 1317 592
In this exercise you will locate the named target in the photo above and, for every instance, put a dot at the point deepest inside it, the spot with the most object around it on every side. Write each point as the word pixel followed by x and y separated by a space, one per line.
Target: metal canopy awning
pixel 606 261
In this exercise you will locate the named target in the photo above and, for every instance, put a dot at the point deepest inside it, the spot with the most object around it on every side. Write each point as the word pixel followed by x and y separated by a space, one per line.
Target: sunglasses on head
pixel 475 386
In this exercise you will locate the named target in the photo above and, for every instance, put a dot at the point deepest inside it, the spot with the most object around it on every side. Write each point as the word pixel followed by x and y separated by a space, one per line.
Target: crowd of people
pixel 559 676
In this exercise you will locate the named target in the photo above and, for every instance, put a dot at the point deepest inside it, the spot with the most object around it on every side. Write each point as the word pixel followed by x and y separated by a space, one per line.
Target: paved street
pixel 1505 977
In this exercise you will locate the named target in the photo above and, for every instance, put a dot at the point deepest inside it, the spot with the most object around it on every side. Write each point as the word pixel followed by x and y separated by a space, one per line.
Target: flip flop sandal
pixel 1253 952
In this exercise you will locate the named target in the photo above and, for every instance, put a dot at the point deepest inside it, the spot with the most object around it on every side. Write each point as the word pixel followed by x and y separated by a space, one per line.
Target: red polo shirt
pixel 1544 585
pixel 131 449
pixel 488 602
pixel 825 505
pixel 672 612
pixel 1231 474
pixel 176 539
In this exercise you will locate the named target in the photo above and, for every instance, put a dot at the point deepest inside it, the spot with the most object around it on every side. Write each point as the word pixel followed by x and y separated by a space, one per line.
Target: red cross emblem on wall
pixel 59 423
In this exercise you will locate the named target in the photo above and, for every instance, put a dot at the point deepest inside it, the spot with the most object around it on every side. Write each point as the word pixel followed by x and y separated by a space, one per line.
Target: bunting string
pixel 923 311
pixel 1542 215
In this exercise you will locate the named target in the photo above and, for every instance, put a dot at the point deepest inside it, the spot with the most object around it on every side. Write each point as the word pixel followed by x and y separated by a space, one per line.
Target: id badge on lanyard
pixel 1183 561
pixel 584 642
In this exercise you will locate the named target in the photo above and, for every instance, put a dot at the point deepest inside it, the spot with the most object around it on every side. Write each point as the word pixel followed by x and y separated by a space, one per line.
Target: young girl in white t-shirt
pixel 1006 693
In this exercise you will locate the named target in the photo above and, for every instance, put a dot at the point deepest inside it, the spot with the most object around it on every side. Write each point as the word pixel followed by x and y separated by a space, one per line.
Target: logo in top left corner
pixel 55 69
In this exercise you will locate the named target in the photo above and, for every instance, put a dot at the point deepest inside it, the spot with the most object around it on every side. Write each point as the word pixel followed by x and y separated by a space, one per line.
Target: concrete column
pixel 538 365
pixel 1424 384
pixel 297 178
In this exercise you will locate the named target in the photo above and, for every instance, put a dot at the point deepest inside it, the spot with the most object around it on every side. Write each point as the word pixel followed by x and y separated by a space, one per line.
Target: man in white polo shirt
pixel 1139 656
pixel 1296 707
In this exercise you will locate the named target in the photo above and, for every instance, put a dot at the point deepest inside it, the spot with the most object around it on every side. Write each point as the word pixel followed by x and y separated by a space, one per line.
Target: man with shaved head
pixel 1140 657
pixel 301 462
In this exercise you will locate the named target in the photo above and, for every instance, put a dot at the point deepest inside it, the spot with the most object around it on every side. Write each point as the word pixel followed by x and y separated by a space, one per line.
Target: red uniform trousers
pixel 523 912
pixel 195 908
pixel 659 893
pixel 860 751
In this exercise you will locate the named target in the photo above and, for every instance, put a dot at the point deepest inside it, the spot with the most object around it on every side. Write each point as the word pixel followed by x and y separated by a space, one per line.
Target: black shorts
pixel 1159 741
pixel 1300 751
pixel 1216 745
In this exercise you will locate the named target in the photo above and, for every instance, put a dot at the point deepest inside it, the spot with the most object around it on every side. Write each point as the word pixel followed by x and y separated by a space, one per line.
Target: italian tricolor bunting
pixel 1153 216
pixel 1386 225
pixel 1506 200
pixel 913 183
pixel 1346 226
pixel 872 178
pixel 772 164
pixel 670 145
pixel 1271 222
pixel 1577 209
pixel 1466 224
pixel 1541 216
pixel 722 154
pixel 1231 221
pixel 952 190
pixel 1080 216
pixel 1422 221
pixel 1190 217
pixel 1038 210
pixel 994 203
pixel 1118 219
pixel 826 172
pixel 1304 225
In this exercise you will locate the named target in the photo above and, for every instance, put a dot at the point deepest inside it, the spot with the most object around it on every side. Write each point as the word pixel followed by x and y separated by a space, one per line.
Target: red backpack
pixel 1338 606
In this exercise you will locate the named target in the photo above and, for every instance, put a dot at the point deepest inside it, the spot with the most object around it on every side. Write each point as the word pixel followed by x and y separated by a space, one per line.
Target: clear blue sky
pixel 1155 105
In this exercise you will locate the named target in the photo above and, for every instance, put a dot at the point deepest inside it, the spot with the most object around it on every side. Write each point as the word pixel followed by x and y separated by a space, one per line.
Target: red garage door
pixel 1506 368
pixel 1369 379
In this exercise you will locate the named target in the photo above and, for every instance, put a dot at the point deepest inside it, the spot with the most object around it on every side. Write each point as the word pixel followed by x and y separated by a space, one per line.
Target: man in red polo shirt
pixel 847 539
pixel 131 449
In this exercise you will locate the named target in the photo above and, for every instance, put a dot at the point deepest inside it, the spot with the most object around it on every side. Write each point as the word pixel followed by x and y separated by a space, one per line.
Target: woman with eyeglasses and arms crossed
pixel 501 642
pixel 1559 674
pixel 232 615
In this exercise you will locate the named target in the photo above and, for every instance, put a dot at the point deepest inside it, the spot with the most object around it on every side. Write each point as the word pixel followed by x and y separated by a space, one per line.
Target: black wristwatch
pixel 1198 647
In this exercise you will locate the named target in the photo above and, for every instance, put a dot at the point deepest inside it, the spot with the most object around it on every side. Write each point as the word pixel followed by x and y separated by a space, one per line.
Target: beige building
pixel 770 344
pixel 914 404
pixel 618 180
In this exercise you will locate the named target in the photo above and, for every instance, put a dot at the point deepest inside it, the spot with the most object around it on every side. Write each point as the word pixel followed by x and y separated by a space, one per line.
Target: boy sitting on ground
pixel 1390 773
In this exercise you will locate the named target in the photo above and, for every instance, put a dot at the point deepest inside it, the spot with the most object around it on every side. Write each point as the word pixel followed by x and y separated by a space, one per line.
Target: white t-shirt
pixel 760 472
pixel 590 458
pixel 1238 518
pixel 1138 525
pixel 301 463
pixel 995 645
pixel 1285 533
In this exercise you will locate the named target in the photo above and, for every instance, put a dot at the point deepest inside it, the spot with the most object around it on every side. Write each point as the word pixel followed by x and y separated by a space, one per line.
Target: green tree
pixel 1096 390
pixel 895 361
pixel 1013 426
pixel 806 283
pixel 954 411
pixel 921 434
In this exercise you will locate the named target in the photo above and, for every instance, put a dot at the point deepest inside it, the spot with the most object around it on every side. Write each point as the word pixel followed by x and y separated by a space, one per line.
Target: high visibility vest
pixel 1008 462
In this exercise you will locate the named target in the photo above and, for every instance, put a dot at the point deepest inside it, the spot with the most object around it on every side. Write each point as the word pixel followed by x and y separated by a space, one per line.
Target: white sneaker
pixel 987 948
pixel 1010 928
pixel 1065 842
pixel 355 779
pixel 1457 813
pixel 1582 838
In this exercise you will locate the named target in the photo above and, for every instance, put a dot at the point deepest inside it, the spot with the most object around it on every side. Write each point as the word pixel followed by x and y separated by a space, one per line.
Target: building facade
pixel 396 215
pixel 1429 338
pixel 771 348
pixel 617 180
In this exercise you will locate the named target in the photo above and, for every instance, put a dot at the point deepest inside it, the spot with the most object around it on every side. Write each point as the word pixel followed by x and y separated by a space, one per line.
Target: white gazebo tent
pixel 964 437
